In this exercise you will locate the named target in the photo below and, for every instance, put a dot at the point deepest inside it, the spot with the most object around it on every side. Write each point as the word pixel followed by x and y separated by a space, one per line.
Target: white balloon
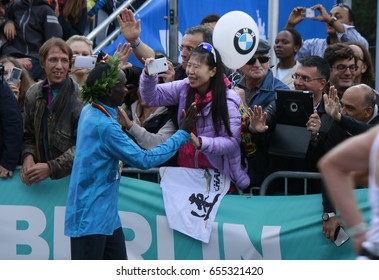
pixel 236 37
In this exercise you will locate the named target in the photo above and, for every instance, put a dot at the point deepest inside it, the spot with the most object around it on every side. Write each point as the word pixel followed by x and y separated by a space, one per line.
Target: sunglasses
pixel 209 48
pixel 261 59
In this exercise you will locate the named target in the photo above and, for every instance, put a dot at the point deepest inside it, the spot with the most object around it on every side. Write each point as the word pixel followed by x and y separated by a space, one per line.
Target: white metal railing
pixel 108 20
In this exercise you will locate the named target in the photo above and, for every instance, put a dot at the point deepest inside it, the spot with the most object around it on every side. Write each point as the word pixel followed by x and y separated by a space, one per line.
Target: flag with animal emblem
pixel 191 199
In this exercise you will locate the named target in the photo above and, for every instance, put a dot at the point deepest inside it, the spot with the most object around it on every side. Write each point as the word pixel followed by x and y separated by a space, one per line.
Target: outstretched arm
pixel 131 30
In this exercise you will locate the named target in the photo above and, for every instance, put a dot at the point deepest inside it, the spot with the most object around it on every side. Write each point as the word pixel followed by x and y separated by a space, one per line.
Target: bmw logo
pixel 244 40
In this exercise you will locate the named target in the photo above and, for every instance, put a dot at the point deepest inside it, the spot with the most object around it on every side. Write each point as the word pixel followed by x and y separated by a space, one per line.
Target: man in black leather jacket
pixel 52 109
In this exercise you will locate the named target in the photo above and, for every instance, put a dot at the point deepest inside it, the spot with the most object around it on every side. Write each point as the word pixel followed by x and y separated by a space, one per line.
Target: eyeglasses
pixel 342 68
pixel 305 78
pixel 55 60
pixel 181 48
pixel 261 59
pixel 209 48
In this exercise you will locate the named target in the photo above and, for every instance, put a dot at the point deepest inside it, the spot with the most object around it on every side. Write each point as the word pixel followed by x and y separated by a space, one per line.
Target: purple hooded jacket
pixel 223 152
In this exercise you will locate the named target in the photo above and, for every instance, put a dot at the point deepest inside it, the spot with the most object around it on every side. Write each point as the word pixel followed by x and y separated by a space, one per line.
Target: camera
pixel 85 62
pixel 309 13
pixel 157 66
pixel 15 75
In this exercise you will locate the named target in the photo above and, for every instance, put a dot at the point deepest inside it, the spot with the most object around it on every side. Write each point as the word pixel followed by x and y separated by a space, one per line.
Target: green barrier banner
pixel 258 227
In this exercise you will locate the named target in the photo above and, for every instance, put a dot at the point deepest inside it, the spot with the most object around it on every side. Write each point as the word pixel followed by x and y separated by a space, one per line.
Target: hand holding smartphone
pixel 85 61
pixel 15 75
pixel 340 236
pixel 157 66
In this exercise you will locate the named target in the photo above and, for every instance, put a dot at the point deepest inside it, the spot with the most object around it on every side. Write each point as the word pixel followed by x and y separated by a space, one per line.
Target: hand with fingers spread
pixel 332 104
pixel 189 118
pixel 124 51
pixel 257 120
pixel 129 26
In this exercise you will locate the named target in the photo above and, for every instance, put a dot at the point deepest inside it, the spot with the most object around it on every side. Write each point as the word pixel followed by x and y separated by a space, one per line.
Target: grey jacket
pixel 62 122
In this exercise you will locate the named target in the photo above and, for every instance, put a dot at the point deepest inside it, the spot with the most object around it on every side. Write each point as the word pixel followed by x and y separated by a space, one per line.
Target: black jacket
pixel 35 23
pixel 11 128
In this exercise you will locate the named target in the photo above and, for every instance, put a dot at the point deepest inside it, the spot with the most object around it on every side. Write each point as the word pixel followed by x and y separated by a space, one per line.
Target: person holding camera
pixel 28 24
pixel 217 136
pixel 18 78
pixel 340 27
pixel 11 127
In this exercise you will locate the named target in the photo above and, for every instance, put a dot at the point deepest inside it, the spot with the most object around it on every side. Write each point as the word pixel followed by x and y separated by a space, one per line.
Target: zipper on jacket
pixel 196 158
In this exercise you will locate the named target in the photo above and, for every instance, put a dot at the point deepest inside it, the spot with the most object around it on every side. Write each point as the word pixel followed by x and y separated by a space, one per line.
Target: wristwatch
pixel 332 21
pixel 327 216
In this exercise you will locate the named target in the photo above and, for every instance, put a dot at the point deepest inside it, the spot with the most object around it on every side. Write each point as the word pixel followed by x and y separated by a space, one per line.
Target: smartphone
pixel 85 62
pixel 308 12
pixel 340 236
pixel 15 75
pixel 157 66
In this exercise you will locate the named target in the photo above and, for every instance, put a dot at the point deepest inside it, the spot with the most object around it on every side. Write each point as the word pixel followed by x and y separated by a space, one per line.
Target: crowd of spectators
pixel 42 38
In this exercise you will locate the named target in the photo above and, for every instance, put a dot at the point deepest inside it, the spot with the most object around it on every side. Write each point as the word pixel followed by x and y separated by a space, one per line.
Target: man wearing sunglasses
pixel 257 87
pixel 343 66
pixel 340 27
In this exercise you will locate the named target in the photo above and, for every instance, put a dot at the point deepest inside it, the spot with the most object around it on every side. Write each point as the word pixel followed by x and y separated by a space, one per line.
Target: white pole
pixel 273 17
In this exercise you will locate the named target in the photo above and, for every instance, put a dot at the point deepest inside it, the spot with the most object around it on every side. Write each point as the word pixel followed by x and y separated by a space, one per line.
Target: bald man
pixel 354 114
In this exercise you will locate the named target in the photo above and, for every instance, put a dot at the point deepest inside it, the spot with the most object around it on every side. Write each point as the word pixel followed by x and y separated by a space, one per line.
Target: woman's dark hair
pixel 219 107
pixel 296 36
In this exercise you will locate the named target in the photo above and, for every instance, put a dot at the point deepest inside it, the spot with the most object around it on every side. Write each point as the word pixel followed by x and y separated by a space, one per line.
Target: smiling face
pixel 56 65
pixel 199 73
pixel 309 79
pixel 342 79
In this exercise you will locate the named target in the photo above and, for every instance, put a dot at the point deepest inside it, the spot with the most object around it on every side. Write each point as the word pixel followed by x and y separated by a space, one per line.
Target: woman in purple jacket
pixel 215 141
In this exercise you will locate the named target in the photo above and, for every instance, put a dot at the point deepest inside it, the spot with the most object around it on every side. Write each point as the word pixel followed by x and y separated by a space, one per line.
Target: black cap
pixel 263 47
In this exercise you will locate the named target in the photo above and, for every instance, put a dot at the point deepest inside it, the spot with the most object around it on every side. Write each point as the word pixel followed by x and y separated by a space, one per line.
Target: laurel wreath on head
pixel 106 82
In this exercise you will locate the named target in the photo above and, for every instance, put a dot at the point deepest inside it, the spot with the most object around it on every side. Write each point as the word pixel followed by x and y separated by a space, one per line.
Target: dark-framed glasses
pixel 209 48
pixel 342 67
pixel 305 78
pixel 261 59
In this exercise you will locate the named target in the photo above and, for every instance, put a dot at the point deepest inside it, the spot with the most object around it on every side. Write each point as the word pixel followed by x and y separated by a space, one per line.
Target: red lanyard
pixel 101 108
